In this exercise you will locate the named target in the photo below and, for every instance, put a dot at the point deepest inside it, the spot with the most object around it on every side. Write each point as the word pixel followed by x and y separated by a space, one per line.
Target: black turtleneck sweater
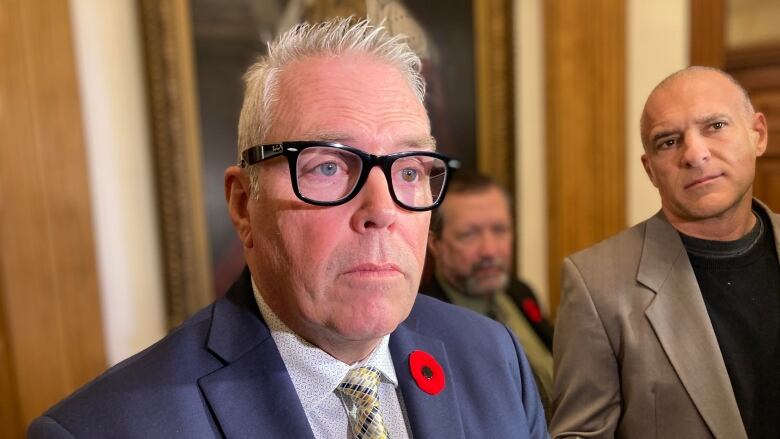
pixel 740 284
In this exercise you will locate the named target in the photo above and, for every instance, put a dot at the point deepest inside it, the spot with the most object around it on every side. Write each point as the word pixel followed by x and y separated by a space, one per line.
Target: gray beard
pixel 473 287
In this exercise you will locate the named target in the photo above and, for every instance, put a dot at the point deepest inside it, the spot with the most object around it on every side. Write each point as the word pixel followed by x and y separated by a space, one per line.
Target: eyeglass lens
pixel 327 174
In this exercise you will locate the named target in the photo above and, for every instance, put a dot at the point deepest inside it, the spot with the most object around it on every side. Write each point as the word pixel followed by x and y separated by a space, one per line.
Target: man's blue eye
pixel 328 169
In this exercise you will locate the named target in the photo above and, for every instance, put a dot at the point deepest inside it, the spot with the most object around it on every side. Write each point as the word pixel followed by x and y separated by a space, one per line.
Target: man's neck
pixel 479 304
pixel 729 226
pixel 348 352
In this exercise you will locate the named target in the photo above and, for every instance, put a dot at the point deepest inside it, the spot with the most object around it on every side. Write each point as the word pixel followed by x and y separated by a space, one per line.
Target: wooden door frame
pixel 50 315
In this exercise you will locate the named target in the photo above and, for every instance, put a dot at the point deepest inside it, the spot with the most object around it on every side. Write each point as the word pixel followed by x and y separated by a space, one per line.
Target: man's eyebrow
pixel 424 143
pixel 661 134
pixel 710 118
pixel 326 136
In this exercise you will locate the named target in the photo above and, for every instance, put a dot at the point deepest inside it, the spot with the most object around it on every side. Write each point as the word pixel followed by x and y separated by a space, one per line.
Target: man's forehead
pixel 461 205
pixel 693 97
pixel 710 86
pixel 350 100
pixel 424 142
pixel 477 220
pixel 348 71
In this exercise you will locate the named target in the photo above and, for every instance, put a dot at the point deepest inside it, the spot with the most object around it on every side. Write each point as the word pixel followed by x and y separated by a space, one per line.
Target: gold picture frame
pixel 173 107
pixel 494 67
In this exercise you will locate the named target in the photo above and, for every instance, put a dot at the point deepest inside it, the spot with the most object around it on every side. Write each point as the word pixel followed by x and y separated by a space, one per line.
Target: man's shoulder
pixel 162 360
pixel 479 355
pixel 773 216
pixel 624 244
pixel 455 325
pixel 426 306
pixel 430 286
pixel 142 387
pixel 470 339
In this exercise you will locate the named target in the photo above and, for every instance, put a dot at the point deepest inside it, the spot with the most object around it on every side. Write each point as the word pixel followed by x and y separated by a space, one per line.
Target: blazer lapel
pixel 775 222
pixel 429 415
pixel 680 320
pixel 252 395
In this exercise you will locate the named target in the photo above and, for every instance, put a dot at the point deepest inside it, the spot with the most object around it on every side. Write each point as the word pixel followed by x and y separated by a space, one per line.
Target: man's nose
pixel 376 209
pixel 488 244
pixel 696 151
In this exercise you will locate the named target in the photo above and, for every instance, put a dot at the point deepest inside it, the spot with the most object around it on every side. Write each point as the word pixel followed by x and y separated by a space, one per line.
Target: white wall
pixel 657 45
pixel 111 79
pixel 530 154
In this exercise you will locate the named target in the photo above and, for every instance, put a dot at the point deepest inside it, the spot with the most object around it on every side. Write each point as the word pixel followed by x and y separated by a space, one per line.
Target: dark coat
pixel 220 375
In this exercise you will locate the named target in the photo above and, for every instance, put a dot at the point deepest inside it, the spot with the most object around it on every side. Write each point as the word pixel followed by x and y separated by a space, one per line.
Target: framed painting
pixel 196 53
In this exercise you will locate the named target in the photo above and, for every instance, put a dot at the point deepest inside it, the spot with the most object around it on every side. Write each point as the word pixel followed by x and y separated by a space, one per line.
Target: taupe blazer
pixel 635 354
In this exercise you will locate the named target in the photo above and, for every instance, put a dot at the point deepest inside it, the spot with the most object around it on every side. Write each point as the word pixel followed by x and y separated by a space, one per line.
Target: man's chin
pixel 370 322
pixel 481 290
pixel 486 287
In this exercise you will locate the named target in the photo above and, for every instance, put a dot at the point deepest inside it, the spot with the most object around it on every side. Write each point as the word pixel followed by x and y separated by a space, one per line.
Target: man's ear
pixel 759 133
pixel 238 194
pixel 648 169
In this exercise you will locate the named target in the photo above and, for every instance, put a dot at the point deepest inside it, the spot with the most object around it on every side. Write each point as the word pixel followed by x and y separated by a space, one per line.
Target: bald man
pixel 671 329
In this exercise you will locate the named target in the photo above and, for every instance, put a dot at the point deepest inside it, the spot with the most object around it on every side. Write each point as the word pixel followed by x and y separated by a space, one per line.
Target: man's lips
pixel 369 269
pixel 702 180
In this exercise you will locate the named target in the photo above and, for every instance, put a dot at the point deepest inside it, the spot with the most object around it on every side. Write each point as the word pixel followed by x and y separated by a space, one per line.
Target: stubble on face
pixel 478 284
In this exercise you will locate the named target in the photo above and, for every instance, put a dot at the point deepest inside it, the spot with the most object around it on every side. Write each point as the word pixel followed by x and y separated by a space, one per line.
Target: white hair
pixel 330 38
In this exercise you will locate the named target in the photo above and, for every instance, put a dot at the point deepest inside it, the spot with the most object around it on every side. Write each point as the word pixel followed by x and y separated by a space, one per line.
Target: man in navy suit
pixel 324 334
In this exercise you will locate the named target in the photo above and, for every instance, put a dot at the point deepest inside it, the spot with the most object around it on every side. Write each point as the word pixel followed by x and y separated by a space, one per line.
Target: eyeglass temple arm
pixel 256 154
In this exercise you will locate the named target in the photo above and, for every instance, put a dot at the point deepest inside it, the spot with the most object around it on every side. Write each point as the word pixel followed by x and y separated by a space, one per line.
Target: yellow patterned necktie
pixel 362 387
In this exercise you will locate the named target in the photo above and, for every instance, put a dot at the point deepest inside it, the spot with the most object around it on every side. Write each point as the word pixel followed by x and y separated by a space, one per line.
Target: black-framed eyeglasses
pixel 329 173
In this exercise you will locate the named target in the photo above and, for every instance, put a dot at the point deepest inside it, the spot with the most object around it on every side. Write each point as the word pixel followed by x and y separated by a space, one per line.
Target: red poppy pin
pixel 531 310
pixel 427 372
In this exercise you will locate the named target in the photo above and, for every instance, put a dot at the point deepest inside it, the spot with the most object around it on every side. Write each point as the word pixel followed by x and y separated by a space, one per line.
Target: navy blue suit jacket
pixel 221 375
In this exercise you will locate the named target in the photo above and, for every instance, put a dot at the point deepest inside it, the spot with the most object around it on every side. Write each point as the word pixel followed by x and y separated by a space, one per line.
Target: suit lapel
pixel 680 320
pixel 775 220
pixel 429 415
pixel 252 395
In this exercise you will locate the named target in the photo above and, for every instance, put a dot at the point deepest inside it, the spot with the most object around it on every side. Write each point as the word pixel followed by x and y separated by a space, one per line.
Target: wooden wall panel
pixel 10 421
pixel 708 18
pixel 585 72
pixel 48 285
pixel 758 70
